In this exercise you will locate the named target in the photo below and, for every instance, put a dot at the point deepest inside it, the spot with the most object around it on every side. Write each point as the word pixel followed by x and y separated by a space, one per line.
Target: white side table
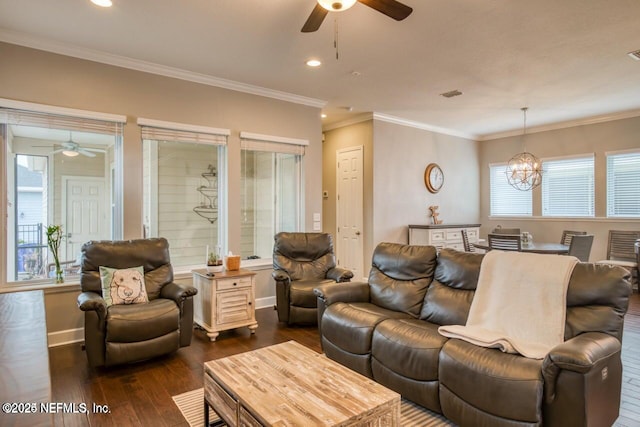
pixel 224 301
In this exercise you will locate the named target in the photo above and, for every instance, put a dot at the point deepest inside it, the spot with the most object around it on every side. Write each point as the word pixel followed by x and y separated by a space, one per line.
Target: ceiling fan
pixel 72 149
pixel 392 8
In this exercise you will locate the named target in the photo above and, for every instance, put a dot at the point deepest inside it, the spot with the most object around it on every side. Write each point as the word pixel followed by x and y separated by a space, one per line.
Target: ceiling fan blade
pixel 60 150
pixel 86 152
pixel 392 8
pixel 94 150
pixel 315 19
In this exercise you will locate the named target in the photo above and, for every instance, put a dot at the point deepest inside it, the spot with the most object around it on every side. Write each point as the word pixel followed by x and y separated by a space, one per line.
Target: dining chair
pixel 580 246
pixel 621 251
pixel 505 242
pixel 568 234
pixel 506 231
pixel 468 247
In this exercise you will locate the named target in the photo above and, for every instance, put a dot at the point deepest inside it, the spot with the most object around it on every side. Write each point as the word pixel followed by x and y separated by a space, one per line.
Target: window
pixel 568 187
pixel 506 200
pixel 271 186
pixel 623 184
pixel 57 170
pixel 183 189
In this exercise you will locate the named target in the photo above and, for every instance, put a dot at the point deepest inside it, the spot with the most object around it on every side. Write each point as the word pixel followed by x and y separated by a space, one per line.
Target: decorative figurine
pixel 434 214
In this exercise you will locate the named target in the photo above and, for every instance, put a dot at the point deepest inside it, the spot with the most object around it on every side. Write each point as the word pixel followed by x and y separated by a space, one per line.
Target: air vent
pixel 635 55
pixel 451 93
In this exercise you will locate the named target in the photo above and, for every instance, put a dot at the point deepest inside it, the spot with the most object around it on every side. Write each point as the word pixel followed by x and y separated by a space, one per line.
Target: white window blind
pixel 54 121
pixel 273 144
pixel 506 200
pixel 177 132
pixel 623 184
pixel 568 187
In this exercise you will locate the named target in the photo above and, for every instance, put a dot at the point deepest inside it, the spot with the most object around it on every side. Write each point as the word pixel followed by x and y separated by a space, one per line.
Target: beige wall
pixel 596 138
pixel 395 196
pixel 40 77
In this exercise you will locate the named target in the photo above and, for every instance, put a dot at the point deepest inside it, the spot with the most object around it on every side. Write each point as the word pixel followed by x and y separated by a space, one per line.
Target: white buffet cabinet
pixel 443 235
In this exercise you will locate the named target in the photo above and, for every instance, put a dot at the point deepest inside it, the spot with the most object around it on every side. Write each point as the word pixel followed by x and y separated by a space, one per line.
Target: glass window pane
pixel 623 185
pixel 568 187
pixel 180 198
pixel 270 199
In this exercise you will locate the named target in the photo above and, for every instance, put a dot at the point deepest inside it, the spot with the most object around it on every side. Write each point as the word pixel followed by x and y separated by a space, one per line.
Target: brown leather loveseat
pixel 386 329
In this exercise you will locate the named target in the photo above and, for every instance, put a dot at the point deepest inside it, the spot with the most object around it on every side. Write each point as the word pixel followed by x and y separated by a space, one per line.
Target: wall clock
pixel 433 177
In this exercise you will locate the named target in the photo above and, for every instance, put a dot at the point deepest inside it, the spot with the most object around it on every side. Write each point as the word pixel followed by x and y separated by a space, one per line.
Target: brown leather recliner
pixel 128 333
pixel 387 330
pixel 302 261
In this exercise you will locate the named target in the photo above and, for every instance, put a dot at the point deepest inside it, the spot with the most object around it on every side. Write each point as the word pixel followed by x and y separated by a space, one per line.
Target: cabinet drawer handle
pixel 235 284
pixel 249 302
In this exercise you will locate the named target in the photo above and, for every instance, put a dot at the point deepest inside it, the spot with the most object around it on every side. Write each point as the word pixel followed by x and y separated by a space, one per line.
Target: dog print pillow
pixel 124 286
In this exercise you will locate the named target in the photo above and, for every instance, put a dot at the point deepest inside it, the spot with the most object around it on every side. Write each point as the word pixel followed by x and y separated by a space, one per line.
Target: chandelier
pixel 524 171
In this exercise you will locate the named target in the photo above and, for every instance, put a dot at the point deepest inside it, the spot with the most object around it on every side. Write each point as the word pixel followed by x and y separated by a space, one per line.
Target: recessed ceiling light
pixel 323 115
pixel 102 3
pixel 314 63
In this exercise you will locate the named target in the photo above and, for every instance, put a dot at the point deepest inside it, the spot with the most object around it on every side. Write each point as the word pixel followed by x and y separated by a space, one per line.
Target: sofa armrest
pixel 280 276
pixel 92 301
pixel 342 292
pixel 580 354
pixel 339 274
pixel 177 292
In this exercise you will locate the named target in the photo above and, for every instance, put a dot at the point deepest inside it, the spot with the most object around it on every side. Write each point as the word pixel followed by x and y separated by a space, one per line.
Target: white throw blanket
pixel 519 305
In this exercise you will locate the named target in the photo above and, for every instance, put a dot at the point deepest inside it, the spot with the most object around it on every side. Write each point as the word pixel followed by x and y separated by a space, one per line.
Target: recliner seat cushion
pixel 350 326
pixel 503 385
pixel 140 322
pixel 301 292
pixel 408 347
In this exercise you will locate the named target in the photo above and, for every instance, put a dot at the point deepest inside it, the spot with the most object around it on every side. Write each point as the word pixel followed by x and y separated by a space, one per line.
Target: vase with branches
pixel 54 238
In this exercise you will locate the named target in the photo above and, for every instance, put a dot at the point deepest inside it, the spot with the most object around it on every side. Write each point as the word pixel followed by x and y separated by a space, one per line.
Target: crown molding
pixel 423 126
pixel 358 118
pixel 152 68
pixel 564 125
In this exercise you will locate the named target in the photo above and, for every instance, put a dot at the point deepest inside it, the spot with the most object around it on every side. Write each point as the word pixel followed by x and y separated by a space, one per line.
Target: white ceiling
pixel 564 59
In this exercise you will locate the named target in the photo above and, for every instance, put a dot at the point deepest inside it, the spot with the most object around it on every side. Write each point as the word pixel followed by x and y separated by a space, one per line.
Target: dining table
pixel 533 247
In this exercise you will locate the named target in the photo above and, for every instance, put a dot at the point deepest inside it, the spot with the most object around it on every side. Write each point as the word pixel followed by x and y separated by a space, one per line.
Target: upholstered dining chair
pixel 580 246
pixel 621 251
pixel 130 332
pixel 505 242
pixel 567 235
pixel 301 262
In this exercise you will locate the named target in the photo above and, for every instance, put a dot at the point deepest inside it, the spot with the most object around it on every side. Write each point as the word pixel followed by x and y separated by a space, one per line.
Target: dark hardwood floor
pixel 140 394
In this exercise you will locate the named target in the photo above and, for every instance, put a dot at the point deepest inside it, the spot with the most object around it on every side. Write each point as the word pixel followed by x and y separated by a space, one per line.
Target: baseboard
pixel 265 302
pixel 65 337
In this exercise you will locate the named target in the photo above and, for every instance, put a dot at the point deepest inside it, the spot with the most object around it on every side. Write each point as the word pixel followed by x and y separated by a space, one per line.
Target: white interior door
pixel 85 214
pixel 349 215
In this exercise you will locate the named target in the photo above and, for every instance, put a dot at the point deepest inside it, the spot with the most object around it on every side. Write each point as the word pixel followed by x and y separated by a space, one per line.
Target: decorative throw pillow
pixel 125 286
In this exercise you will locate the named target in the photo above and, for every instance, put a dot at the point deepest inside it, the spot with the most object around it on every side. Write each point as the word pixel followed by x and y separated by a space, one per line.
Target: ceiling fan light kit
pixel 70 153
pixel 336 5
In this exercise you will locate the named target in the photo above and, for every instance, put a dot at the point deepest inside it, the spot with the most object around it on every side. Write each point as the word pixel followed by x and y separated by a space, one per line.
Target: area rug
pixel 411 415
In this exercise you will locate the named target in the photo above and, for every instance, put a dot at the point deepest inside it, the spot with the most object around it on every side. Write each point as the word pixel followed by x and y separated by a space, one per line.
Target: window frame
pixel 545 182
pixel 609 184
pixel 56 113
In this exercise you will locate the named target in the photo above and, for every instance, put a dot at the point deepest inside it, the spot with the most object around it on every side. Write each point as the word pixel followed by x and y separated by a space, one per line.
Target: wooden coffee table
pixel 290 385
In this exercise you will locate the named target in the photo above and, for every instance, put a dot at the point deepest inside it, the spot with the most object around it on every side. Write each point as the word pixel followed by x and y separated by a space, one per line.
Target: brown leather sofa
pixel 128 333
pixel 386 329
pixel 302 261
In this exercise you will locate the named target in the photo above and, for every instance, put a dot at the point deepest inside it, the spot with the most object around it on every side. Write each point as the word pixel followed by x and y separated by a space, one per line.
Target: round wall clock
pixel 433 177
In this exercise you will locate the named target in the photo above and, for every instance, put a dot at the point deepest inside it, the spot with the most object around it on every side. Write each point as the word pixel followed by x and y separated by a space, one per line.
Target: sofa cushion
pixel 503 385
pixel 448 299
pixel 301 292
pixel 140 322
pixel 350 326
pixel 400 275
pixel 408 347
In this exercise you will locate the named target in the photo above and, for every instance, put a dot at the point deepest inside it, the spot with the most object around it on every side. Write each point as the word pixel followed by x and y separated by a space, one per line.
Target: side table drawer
pixel 437 236
pixel 221 401
pixel 246 419
pixel 233 283
pixel 454 236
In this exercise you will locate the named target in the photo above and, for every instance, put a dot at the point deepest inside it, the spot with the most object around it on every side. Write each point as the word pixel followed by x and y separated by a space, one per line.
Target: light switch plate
pixel 316 217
